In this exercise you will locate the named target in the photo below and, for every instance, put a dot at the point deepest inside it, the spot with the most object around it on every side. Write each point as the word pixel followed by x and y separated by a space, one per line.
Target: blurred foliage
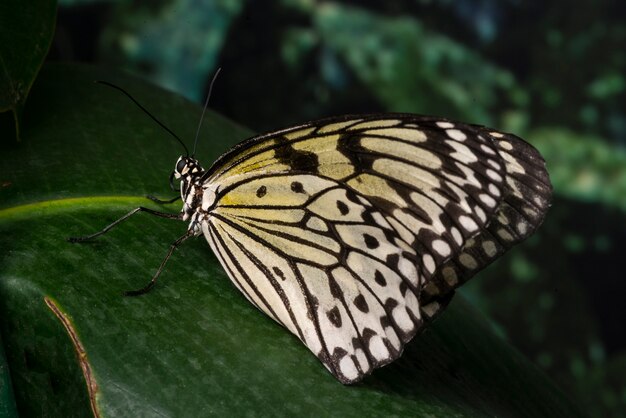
pixel 552 73
pixel 22 51
pixel 176 42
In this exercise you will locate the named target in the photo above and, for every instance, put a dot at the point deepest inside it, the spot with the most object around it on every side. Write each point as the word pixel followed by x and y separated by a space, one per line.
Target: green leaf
pixel 193 346
pixel 26 31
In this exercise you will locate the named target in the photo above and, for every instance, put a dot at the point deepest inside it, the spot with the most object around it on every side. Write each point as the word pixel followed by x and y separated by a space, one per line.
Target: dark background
pixel 552 72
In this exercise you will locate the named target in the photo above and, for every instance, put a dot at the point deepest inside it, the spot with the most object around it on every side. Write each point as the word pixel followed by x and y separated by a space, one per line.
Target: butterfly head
pixel 187 169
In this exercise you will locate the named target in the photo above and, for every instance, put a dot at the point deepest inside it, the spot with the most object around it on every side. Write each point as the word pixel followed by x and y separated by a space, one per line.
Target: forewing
pixel 352 231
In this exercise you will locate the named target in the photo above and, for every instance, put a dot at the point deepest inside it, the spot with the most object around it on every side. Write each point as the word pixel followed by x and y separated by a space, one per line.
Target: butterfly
pixel 353 232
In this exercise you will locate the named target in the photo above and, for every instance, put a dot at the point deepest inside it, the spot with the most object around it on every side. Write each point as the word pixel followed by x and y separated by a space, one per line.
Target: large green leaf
pixel 26 30
pixel 193 346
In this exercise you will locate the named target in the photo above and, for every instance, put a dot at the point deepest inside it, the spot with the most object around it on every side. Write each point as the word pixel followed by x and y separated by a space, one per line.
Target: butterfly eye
pixel 180 166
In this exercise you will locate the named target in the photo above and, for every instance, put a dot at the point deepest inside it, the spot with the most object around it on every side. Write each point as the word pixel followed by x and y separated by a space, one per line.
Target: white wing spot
pixel 481 213
pixel 462 153
pixel 494 190
pixel 487 200
pixel 348 368
pixel 445 125
pixel 378 349
pixel 402 319
pixel 456 234
pixel 431 308
pixel 490 248
pixel 505 235
pixel 487 150
pixel 529 211
pixel 522 227
pixel 429 262
pixel 449 275
pixel 496 134
pixel 456 134
pixel 468 261
pixel 494 164
pixel 493 175
pixel 441 247
pixel 504 144
pixel 513 164
pixel 468 223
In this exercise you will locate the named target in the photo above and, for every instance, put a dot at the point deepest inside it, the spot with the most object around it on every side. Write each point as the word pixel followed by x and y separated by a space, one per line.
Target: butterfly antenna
pixel 106 83
pixel 206 103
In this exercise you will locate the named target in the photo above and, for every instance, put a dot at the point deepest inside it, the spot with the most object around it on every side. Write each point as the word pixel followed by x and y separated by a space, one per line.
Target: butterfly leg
pixel 122 219
pixel 162 202
pixel 150 285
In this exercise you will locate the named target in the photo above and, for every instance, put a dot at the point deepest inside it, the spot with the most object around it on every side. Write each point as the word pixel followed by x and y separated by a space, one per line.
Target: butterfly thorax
pixel 197 196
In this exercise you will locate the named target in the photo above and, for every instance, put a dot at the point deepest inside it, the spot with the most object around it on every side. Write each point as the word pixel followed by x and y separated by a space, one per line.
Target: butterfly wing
pixel 521 210
pixel 353 231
